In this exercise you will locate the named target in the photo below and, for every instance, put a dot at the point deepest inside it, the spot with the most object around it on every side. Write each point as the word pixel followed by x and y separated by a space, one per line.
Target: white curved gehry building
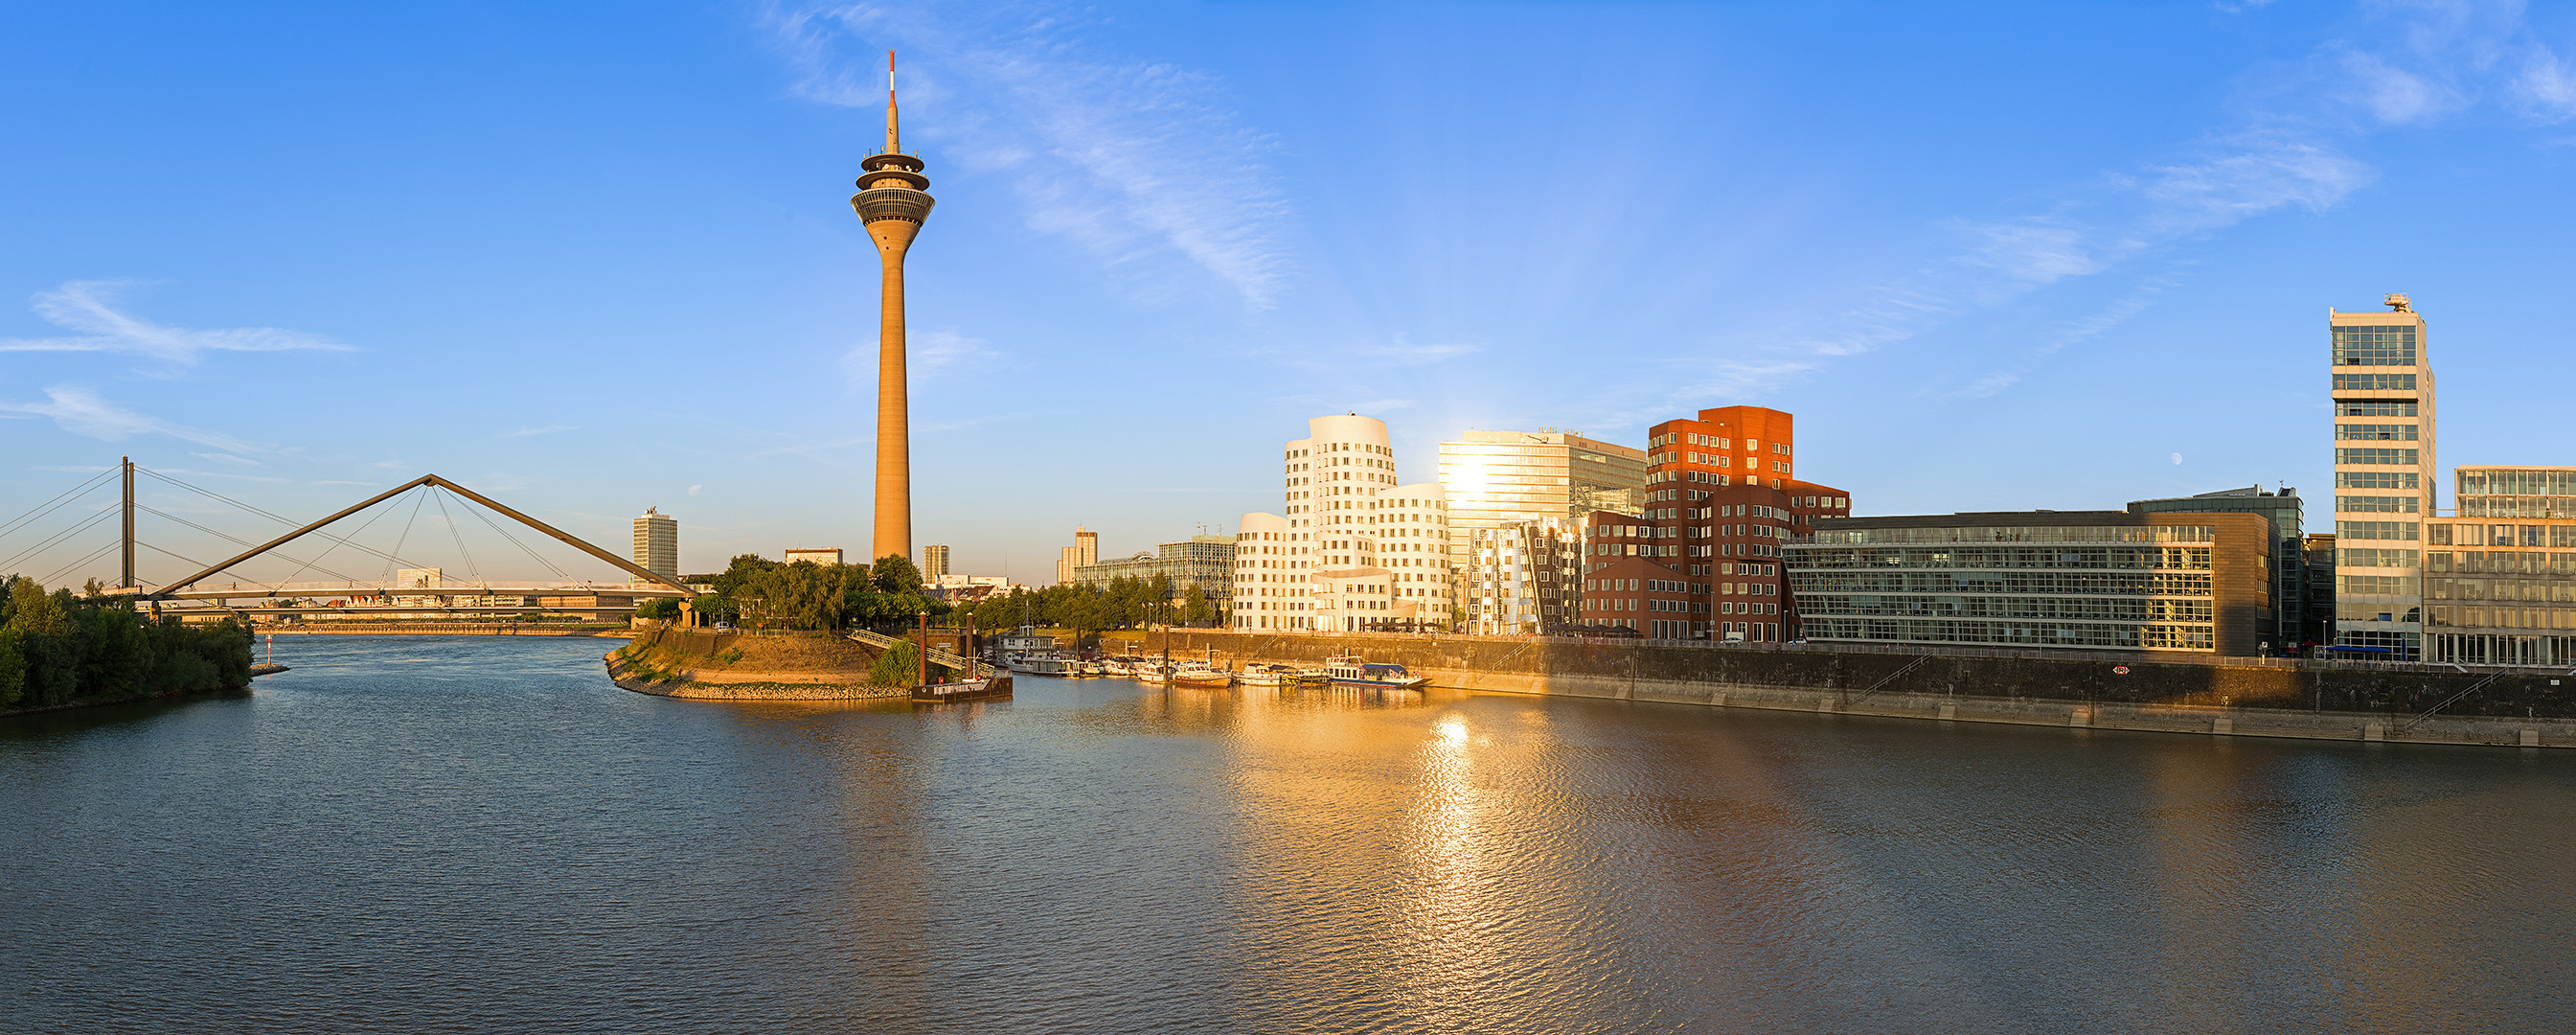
pixel 1353 549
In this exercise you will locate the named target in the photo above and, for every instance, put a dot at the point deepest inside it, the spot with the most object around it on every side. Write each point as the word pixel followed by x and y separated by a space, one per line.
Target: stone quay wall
pixel 2318 700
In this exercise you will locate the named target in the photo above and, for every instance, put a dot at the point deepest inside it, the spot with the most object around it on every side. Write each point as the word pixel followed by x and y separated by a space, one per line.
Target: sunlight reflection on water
pixel 498 839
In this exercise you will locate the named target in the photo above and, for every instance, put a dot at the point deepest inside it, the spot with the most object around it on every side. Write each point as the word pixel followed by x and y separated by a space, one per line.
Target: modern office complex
pixel 1204 561
pixel 826 555
pixel 657 544
pixel 2291 625
pixel 2499 581
pixel 2105 579
pixel 1722 497
pixel 1353 549
pixel 2384 475
pixel 934 563
pixel 1495 479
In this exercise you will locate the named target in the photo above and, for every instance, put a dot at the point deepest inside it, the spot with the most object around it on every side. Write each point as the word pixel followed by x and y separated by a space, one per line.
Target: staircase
pixel 937 655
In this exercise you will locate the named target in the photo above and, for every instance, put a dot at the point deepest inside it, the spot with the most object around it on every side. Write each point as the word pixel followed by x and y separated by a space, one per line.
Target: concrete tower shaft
pixel 892 201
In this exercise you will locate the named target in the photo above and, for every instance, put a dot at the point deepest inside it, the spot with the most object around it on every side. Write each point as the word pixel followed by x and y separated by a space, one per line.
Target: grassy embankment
pixel 703 664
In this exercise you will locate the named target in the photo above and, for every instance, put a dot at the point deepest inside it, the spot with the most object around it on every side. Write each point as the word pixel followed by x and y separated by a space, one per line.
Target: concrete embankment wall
pixel 2521 708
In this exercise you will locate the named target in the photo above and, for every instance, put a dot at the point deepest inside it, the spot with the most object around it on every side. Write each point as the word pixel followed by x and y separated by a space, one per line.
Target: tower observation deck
pixel 893 199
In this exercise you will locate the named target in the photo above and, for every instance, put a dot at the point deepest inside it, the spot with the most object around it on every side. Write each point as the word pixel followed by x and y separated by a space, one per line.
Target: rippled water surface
pixel 415 834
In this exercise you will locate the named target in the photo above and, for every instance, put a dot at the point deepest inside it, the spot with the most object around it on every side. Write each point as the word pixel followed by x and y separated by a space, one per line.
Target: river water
pixel 481 834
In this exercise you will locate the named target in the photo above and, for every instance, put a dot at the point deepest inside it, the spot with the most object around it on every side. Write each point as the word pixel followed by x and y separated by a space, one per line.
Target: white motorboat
pixel 1267 675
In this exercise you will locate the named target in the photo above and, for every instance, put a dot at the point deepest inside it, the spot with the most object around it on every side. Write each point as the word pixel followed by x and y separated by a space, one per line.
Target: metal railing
pixel 937 655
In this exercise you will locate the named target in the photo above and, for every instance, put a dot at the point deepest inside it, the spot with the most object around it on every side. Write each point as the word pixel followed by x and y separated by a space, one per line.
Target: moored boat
pixel 1267 675
pixel 1349 670
pixel 1039 664
pixel 1202 676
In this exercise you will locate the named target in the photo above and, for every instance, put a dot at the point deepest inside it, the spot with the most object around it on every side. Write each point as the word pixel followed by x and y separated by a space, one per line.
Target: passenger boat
pixel 986 688
pixel 1349 670
pixel 1151 673
pixel 1049 664
pixel 1202 676
pixel 1267 675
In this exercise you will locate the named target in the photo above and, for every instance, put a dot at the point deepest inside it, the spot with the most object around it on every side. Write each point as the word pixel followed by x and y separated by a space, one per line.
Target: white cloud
pixel 81 412
pixel 926 354
pixel 693 490
pixel 88 306
pixel 1136 161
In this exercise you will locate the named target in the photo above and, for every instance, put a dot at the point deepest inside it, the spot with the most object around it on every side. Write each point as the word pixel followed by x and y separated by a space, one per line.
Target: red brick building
pixel 1702 559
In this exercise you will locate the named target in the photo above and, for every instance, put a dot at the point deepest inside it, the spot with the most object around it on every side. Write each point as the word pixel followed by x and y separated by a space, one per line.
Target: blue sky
pixel 596 258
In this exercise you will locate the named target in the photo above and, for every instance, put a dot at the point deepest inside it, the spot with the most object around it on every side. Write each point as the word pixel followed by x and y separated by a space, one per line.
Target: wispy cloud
pixel 81 412
pixel 545 429
pixel 1136 160
pixel 927 354
pixel 90 308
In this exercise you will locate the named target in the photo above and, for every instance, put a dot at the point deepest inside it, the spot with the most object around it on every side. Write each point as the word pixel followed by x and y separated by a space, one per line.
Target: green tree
pixel 1195 608
pixel 659 609
pixel 898 666
pixel 13 668
pixel 896 576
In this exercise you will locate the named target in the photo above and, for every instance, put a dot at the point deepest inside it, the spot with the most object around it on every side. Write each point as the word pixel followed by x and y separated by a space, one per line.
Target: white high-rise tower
pixel 2385 476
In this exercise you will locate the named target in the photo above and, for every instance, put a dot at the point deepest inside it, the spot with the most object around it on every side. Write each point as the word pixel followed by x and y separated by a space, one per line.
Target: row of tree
pixel 56 648
pixel 757 593
pixel 1125 603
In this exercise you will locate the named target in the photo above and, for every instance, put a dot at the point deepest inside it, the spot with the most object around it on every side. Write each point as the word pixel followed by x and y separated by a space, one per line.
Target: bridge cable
pixel 227 538
pixel 404 538
pixel 336 543
pixel 514 541
pixel 94 555
pixel 58 537
pixel 51 505
pixel 221 498
pixel 454 533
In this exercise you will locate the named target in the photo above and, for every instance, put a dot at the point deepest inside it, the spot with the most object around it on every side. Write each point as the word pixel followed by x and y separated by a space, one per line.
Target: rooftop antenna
pixel 893 141
pixel 2398 303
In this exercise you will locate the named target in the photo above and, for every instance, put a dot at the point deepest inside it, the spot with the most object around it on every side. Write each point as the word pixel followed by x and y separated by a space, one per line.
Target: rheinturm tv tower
pixel 893 199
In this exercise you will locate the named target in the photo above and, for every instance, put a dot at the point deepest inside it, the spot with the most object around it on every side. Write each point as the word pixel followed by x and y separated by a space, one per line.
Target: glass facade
pixel 2113 585
pixel 2515 492
pixel 2290 624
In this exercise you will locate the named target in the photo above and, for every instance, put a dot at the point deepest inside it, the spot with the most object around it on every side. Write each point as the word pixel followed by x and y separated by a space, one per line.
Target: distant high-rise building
pixel 1084 552
pixel 657 544
pixel 934 562
pixel 1491 479
pixel 2384 475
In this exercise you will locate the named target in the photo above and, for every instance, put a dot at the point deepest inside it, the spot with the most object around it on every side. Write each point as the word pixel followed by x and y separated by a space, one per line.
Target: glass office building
pixel 2499 581
pixel 2104 580
pixel 2288 628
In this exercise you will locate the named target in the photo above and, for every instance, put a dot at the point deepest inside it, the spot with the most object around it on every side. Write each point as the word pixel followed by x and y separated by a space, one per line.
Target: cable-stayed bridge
pixel 405 583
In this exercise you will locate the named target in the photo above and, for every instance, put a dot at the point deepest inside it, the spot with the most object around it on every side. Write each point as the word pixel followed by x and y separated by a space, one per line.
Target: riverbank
pixel 436 629
pixel 698 664
pixel 2513 708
